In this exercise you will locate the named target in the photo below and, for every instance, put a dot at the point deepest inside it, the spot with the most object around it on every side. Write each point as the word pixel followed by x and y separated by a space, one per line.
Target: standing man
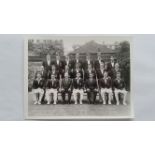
pixel 89 71
pixel 47 65
pixel 52 87
pixel 111 67
pixel 98 62
pixel 68 62
pixel 106 87
pixel 55 72
pixel 91 88
pixel 78 88
pixel 77 62
pixel 37 87
pixel 111 63
pixel 88 62
pixel 66 88
pixel 43 73
pixel 116 70
pixel 100 71
pixel 77 70
pixel 59 65
pixel 119 88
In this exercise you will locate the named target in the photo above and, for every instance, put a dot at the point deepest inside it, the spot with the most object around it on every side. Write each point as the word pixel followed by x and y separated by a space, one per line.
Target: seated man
pixel 54 71
pixel 52 86
pixel 66 88
pixel 119 88
pixel 105 84
pixel 77 70
pixel 78 86
pixel 38 90
pixel 91 88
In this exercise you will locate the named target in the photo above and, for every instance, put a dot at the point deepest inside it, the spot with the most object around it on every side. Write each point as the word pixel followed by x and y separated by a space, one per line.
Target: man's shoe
pixel 48 102
pixel 35 102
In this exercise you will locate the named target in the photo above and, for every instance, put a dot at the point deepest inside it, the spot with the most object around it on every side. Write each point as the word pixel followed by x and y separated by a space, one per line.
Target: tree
pixel 124 46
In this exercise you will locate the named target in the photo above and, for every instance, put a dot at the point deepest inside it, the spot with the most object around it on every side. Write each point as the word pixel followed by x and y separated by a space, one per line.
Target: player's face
pixel 42 68
pixel 112 59
pixel 53 67
pixel 105 74
pixel 106 66
pixel 117 66
pixel 118 75
pixel 38 75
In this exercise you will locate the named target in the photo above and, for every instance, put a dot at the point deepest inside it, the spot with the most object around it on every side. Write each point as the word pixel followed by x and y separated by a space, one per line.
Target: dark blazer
pixel 70 64
pixel 99 73
pixel 119 84
pixel 37 84
pixel 97 64
pixel 110 67
pixel 91 84
pixel 59 66
pixel 44 75
pixel 74 63
pixel 103 84
pixel 85 64
pixel 66 84
pixel 78 84
pixel 54 84
pixel 47 66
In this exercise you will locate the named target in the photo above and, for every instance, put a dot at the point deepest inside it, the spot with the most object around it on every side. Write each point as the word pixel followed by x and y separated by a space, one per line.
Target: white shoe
pixel 104 102
pixel 54 103
pixel 35 102
pixel 48 102
pixel 75 102
pixel 81 102
pixel 117 103
pixel 39 102
pixel 109 103
pixel 124 103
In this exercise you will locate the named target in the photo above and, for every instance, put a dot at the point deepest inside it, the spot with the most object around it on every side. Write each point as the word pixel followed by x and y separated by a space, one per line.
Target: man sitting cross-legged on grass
pixel 119 88
pixel 105 85
pixel 52 87
pixel 38 90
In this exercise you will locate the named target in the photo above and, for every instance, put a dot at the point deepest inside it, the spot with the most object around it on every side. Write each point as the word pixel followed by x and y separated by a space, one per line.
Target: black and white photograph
pixel 78 77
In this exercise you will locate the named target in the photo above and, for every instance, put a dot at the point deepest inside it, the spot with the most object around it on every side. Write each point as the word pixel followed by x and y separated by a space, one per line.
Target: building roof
pixel 93 47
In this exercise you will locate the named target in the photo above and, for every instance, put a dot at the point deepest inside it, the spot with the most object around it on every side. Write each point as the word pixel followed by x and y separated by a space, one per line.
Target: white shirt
pixel 48 62
pixel 113 64
pixel 57 62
